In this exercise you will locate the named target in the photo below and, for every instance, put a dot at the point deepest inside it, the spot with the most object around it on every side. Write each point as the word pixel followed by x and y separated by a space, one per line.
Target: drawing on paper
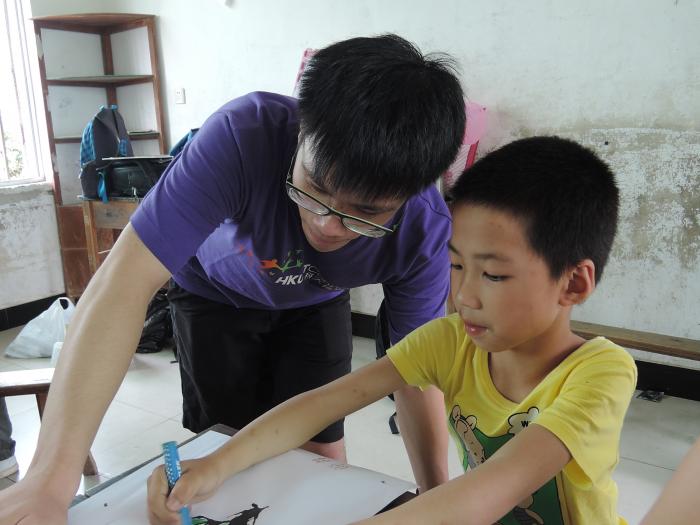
pixel 243 517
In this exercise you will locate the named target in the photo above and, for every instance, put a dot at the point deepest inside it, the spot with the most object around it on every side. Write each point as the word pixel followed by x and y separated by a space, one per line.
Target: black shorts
pixel 236 363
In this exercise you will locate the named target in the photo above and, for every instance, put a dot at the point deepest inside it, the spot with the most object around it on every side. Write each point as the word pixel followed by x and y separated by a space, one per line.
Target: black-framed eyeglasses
pixel 312 204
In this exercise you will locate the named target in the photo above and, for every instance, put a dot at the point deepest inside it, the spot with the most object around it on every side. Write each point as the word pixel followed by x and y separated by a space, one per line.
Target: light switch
pixel 180 95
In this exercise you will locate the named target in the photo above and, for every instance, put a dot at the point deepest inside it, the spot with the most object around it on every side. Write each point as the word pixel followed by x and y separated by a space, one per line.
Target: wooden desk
pixel 112 215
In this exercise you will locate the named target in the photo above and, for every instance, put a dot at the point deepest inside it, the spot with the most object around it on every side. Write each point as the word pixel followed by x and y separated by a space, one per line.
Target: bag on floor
pixel 38 336
pixel 158 327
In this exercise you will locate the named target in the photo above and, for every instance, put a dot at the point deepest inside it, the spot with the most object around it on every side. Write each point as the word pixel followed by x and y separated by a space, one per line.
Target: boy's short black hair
pixel 384 121
pixel 565 195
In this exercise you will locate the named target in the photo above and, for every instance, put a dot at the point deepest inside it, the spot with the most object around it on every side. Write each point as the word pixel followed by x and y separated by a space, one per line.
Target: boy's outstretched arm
pixel 100 342
pixel 287 426
pixel 421 416
pixel 487 493
pixel 678 503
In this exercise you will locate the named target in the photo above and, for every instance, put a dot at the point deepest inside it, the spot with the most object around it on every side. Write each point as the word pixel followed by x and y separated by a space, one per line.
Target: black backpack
pixel 131 177
pixel 104 136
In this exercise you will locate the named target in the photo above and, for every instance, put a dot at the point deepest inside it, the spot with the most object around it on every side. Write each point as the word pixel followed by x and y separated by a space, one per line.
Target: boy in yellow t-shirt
pixel 536 411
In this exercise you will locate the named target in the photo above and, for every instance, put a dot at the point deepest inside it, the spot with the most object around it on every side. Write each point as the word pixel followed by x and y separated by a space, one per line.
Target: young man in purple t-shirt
pixel 264 221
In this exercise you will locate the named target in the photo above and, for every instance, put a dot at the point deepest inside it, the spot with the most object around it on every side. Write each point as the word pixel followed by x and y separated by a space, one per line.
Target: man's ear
pixel 578 283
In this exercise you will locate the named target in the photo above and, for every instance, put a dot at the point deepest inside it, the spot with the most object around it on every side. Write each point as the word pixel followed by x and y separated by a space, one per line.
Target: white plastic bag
pixel 57 346
pixel 38 336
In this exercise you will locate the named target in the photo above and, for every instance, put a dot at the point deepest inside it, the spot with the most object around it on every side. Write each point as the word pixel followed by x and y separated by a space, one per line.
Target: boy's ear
pixel 579 283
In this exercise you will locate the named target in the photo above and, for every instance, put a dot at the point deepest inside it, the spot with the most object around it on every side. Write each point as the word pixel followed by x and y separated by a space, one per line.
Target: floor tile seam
pixel 670 469
pixel 131 405
pixel 14 414
pixel 99 448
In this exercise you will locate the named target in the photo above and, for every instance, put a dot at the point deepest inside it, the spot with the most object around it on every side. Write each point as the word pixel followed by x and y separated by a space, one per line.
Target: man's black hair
pixel 384 121
pixel 563 193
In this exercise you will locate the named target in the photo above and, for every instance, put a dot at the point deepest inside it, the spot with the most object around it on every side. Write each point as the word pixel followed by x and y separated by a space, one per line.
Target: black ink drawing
pixel 243 517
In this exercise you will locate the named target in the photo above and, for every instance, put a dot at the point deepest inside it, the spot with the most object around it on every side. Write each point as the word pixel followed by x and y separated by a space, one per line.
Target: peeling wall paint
pixel 652 280
pixel 30 259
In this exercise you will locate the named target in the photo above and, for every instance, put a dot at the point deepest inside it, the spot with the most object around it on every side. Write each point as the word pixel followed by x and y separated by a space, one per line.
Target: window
pixel 23 134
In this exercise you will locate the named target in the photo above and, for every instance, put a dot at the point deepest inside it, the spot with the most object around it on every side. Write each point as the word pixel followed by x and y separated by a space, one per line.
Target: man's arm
pixel 487 493
pixel 423 427
pixel 100 342
pixel 678 503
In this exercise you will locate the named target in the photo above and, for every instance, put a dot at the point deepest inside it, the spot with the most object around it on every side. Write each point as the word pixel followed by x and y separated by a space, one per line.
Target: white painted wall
pixel 626 72
pixel 28 245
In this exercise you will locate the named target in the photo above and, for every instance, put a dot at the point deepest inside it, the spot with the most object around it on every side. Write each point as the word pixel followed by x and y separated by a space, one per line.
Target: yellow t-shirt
pixel 582 401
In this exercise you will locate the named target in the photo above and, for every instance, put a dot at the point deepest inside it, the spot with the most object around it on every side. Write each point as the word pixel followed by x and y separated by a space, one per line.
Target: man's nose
pixel 330 225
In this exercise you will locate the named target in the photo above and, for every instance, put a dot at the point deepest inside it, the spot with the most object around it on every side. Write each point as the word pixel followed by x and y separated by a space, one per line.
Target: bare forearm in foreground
pixel 99 345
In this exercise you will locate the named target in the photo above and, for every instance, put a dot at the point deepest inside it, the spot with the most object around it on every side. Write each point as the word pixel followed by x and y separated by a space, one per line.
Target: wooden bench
pixel 36 383
pixel 647 341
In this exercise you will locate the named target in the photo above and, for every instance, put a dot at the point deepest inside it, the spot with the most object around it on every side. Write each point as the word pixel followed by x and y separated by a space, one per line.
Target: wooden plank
pixel 647 341
pixel 70 226
pixel 91 21
pixel 128 26
pixel 65 26
pixel 71 231
pixel 108 65
pixel 133 135
pixel 153 52
pixel 25 382
pixel 76 271
pixel 112 214
pixel 56 181
pixel 90 236
pixel 103 81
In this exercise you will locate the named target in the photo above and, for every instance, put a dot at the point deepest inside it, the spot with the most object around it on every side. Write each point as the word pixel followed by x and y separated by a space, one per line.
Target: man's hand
pixel 28 503
pixel 199 480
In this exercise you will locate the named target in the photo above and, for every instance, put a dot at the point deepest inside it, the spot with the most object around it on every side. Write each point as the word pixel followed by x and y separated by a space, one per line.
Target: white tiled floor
pixel 147 410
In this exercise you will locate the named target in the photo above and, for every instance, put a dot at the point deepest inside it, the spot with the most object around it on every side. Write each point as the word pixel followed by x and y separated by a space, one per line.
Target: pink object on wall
pixel 476 127
pixel 308 53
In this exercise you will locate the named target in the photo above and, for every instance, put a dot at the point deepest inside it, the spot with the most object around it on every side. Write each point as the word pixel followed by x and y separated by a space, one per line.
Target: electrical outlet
pixel 180 95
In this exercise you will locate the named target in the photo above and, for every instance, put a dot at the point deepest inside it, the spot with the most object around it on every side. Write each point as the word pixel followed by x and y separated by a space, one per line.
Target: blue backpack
pixel 104 136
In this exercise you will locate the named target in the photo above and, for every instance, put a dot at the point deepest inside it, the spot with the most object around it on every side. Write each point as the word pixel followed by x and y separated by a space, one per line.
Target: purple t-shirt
pixel 220 220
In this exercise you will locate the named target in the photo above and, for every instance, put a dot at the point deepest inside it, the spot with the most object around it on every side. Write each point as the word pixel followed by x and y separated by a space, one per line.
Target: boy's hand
pixel 199 480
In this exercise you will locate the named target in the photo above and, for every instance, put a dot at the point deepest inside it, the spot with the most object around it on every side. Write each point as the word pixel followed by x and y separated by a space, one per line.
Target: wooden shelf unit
pixel 77 269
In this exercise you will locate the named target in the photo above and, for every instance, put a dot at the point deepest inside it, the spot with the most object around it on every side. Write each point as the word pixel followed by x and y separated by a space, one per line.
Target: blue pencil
pixel 171 459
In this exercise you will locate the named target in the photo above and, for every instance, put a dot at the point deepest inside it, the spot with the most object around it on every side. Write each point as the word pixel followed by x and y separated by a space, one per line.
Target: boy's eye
pixel 455 266
pixel 495 278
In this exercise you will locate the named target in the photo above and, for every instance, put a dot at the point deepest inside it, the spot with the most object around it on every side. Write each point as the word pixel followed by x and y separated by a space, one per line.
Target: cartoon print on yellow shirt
pixel 540 508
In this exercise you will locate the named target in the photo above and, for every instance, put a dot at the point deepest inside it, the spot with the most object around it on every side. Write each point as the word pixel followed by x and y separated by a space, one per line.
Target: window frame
pixel 22 44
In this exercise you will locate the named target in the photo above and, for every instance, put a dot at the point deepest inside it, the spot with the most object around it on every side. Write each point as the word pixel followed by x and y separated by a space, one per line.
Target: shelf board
pixel 92 22
pixel 133 135
pixel 100 80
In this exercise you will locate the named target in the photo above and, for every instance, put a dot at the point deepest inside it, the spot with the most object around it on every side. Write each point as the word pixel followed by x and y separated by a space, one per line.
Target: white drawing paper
pixel 297 487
